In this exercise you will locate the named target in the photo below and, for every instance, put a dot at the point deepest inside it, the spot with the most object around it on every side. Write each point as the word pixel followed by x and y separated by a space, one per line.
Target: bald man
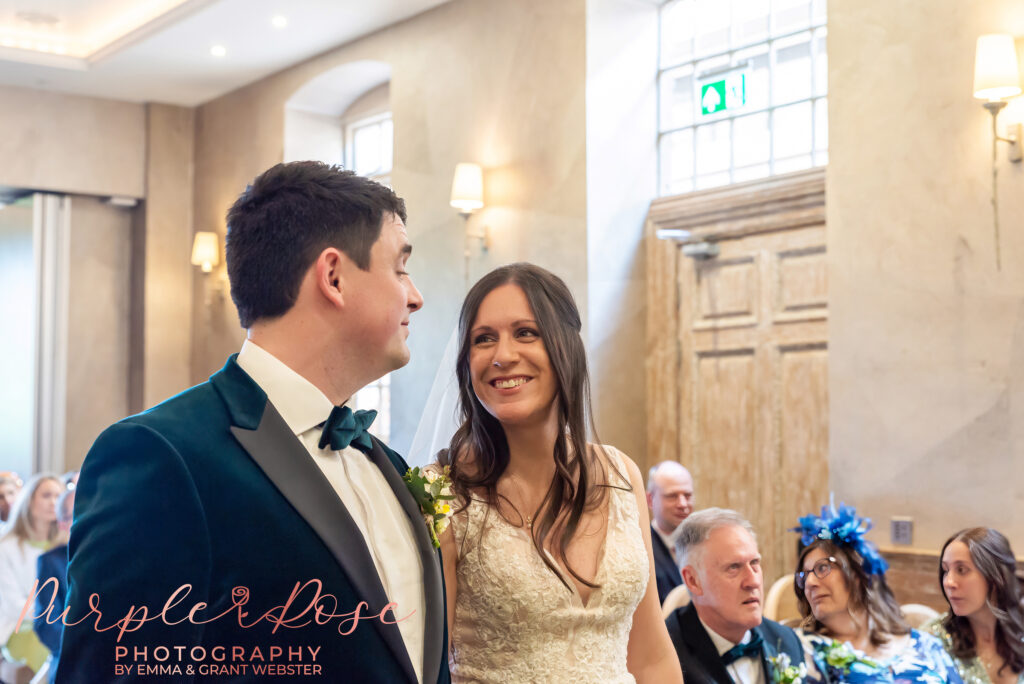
pixel 670 496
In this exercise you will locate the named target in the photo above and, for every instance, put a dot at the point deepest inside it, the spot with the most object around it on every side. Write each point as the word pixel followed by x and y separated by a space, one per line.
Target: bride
pixel 547 562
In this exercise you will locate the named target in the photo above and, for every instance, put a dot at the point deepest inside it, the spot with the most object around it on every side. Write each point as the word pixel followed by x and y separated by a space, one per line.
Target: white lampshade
pixel 205 251
pixel 996 76
pixel 468 187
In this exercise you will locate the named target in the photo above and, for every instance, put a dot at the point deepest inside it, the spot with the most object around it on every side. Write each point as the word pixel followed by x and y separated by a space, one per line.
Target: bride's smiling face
pixel 509 366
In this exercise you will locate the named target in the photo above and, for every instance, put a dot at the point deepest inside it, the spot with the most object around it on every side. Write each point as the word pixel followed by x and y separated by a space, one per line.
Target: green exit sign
pixel 724 94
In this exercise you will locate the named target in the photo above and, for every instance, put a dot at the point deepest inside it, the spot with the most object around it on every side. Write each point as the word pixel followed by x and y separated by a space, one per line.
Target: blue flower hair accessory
pixel 842 526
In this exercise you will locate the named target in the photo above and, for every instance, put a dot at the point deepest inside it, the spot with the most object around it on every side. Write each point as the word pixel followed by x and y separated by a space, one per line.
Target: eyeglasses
pixel 821 570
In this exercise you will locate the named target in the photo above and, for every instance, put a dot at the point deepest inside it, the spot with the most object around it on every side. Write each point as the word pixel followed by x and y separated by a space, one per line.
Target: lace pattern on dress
pixel 516 622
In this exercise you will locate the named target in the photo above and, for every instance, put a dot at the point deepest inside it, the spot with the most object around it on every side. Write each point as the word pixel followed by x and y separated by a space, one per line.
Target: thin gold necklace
pixel 519 491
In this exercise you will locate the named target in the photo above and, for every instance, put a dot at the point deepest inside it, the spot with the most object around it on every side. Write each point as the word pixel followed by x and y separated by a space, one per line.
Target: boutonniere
pixel 783 672
pixel 432 489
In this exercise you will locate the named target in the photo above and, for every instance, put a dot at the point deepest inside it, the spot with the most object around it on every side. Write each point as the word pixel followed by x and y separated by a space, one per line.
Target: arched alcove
pixel 315 114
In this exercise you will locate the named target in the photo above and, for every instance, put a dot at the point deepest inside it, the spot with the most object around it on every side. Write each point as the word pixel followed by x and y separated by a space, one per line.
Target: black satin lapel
pixel 433 622
pixel 289 466
pixel 702 647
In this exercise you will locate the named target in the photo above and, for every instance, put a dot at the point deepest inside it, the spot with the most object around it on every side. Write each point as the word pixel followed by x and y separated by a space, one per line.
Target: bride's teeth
pixel 509 384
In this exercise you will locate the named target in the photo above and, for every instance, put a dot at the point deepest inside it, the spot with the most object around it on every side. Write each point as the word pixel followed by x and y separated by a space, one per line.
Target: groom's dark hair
pixel 283 221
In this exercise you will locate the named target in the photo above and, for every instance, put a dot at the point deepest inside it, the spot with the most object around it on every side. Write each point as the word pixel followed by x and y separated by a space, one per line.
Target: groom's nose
pixel 415 299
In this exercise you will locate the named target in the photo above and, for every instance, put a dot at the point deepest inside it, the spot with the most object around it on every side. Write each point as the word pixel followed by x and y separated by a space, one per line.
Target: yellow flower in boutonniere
pixel 432 489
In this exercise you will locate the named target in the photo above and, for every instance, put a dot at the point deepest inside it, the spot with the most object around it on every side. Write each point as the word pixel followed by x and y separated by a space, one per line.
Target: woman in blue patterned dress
pixel 854 629
pixel 984 628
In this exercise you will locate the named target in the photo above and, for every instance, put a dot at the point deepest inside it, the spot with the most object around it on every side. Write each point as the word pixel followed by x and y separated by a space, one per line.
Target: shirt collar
pixel 721 643
pixel 299 402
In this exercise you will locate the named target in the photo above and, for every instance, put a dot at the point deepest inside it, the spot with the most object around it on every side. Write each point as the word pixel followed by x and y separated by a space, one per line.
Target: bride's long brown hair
pixel 479 453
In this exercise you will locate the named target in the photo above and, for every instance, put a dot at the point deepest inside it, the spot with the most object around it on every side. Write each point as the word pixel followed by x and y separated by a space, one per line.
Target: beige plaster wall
pixel 72 144
pixel 98 328
pixel 500 83
pixel 166 334
pixel 622 42
pixel 926 335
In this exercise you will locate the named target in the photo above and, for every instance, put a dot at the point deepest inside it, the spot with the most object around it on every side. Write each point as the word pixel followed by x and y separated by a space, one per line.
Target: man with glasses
pixel 721 636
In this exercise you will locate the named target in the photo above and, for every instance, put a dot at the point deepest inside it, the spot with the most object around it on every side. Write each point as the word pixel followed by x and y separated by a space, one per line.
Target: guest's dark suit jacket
pixel 211 489
pixel 51 565
pixel 665 571
pixel 699 657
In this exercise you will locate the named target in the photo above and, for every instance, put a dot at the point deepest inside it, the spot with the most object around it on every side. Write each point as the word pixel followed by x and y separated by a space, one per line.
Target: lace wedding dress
pixel 516 622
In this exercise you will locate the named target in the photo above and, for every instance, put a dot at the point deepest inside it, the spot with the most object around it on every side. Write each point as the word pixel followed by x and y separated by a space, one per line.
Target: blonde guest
pixel 31 531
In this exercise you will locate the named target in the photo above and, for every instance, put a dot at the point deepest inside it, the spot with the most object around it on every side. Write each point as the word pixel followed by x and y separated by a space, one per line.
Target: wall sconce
pixel 205 251
pixel 467 197
pixel 997 79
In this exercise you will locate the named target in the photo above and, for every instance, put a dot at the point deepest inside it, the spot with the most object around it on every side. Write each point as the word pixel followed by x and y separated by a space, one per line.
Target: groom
pixel 247 527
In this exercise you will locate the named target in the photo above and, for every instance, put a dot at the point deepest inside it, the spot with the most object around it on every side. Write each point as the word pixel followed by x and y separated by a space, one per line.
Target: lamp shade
pixel 996 76
pixel 468 187
pixel 205 251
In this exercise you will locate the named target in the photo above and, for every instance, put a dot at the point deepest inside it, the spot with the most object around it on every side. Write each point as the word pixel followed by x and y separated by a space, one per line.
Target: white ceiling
pixel 159 50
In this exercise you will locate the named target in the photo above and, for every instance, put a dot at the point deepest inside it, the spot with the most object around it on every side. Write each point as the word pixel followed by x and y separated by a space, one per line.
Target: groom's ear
pixel 327 273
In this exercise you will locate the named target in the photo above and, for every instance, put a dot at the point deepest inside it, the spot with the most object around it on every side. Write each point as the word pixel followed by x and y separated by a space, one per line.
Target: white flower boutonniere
pixel 432 489
pixel 783 672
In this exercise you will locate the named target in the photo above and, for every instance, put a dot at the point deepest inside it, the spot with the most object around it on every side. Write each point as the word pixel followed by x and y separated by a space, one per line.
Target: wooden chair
pixel 677 598
pixel 780 604
pixel 917 614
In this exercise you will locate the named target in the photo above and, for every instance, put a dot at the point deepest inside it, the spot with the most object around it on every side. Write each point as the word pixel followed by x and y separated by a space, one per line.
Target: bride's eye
pixel 482 338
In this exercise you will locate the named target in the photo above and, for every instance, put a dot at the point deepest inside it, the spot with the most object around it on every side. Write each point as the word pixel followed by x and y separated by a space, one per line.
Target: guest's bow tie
pixel 344 428
pixel 751 649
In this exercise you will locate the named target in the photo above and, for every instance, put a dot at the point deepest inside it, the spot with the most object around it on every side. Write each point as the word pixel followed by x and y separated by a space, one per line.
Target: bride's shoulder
pixel 618 465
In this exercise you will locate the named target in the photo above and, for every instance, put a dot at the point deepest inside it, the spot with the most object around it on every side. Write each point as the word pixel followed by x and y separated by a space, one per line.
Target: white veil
pixel 440 417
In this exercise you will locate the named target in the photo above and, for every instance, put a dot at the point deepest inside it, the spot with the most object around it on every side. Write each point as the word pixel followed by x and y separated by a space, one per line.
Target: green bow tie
pixel 344 428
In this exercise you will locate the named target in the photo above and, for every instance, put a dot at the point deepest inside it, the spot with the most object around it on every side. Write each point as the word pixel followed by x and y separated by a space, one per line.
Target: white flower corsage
pixel 783 672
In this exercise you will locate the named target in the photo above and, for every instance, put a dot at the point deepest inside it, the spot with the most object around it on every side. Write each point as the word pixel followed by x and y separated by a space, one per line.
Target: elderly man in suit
pixel 670 497
pixel 720 636
pixel 253 517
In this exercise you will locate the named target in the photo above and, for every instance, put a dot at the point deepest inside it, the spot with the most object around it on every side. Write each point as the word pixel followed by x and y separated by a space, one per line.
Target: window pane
pixel 677 25
pixel 756 59
pixel 713 148
pixel 790 15
pixel 713 180
pixel 748 173
pixel 791 131
pixel 819 11
pixel 712 26
pixel 793 164
pixel 677 162
pixel 749 22
pixel 820 62
pixel 751 139
pixel 821 158
pixel 387 144
pixel 366 143
pixel 677 98
pixel 792 76
pixel 821 125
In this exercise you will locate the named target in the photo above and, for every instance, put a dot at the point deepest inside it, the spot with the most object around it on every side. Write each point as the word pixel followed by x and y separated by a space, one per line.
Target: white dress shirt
pixel 744 670
pixel 668 539
pixel 361 487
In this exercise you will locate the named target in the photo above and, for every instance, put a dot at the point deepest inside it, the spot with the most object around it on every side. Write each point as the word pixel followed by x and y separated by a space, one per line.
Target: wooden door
pixel 750 377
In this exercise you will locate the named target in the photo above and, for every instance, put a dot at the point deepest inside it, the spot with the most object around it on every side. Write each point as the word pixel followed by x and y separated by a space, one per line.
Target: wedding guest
pixel 547 561
pixel 984 627
pixel 855 629
pixel 670 497
pixel 33 530
pixel 10 485
pixel 53 564
pixel 722 636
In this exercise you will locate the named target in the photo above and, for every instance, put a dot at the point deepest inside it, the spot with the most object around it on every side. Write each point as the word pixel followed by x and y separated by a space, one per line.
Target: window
pixel 369 152
pixel 742 88
pixel 369 147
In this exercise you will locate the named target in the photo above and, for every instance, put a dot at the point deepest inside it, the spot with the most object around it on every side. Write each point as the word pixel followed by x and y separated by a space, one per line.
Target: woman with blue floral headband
pixel 854 629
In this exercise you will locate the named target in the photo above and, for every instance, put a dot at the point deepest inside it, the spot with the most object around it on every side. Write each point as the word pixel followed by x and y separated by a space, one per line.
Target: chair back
pixel 917 614
pixel 677 598
pixel 780 604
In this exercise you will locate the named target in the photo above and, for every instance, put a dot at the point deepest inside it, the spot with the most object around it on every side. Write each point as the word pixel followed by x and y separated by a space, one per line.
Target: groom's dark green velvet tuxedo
pixel 211 489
